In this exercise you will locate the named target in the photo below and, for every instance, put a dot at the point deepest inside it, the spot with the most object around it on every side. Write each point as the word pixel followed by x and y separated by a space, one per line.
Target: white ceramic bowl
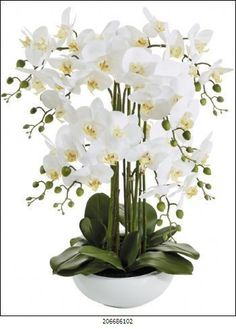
pixel 123 292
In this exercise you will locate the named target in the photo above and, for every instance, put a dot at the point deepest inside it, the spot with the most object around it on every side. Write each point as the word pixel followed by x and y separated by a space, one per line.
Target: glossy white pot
pixel 123 292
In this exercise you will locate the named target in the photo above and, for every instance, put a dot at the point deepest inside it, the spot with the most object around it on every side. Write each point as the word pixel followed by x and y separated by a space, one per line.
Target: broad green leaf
pixel 160 236
pixel 78 241
pixel 63 257
pixel 150 214
pixel 164 262
pixel 73 263
pixel 129 248
pixel 98 207
pixel 104 255
pixel 180 248
pixel 95 266
pixel 93 230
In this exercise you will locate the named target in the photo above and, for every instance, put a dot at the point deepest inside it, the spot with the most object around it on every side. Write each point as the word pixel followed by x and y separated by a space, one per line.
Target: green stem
pixel 144 244
pixel 110 214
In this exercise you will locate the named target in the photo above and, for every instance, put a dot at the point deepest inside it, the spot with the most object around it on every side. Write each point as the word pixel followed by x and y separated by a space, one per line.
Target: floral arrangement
pixel 156 83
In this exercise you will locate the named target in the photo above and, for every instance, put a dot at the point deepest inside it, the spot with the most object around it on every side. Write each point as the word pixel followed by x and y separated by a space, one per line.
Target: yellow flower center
pixel 145 160
pixel 146 107
pixel 71 155
pixel 104 66
pixel 216 76
pixel 193 71
pixel 159 26
pixel 175 99
pixel 110 158
pixel 58 87
pixel 92 84
pixel 54 174
pixel 27 42
pixel 142 42
pixel 41 44
pixel 191 191
pixel 117 132
pixel 90 130
pixel 60 113
pixel 66 67
pixel 200 46
pixel 37 85
pixel 175 174
pixel 62 32
pixel 176 52
pixel 74 46
pixel 204 159
pixel 94 184
pixel 186 122
pixel 136 68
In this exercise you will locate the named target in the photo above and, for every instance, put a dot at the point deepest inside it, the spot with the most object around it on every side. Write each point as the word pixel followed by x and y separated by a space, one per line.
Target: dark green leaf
pixel 63 257
pixel 104 255
pixel 161 236
pixel 180 248
pixel 78 241
pixel 129 249
pixel 93 230
pixel 164 262
pixel 122 214
pixel 97 207
pixel 73 263
pixel 95 266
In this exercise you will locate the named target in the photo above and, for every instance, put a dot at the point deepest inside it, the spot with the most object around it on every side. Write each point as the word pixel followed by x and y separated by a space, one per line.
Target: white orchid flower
pixel 64 64
pixel 215 73
pixel 76 44
pixel 188 189
pixel 52 164
pixel 93 176
pixel 38 45
pixel 198 41
pixel 202 154
pixel 157 191
pixel 65 30
pixel 155 27
pixel 175 45
pixel 184 113
pixel 63 109
pixel 133 36
pixel 92 121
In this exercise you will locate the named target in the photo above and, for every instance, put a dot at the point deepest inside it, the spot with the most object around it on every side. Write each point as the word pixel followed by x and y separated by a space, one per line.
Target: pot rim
pixel 125 278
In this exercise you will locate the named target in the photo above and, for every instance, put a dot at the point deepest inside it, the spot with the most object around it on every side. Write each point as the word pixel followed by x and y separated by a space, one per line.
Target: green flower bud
pixel 166 124
pixel 195 168
pixel 178 228
pixel 216 88
pixel 57 189
pixel 161 206
pixel 173 143
pixel 49 185
pixel 41 129
pixel 159 222
pixel 35 184
pixel 28 198
pixel 66 171
pixel 187 135
pixel 189 149
pixel 207 171
pixel 48 118
pixel 179 213
pixel 33 110
pixel 208 186
pixel 203 101
pixel 207 197
pixel 71 204
pixel 198 86
pixel 4 95
pixel 79 191
pixel 220 99
pixel 200 184
pixel 42 170
pixel 55 205
pixel 20 63
pixel 18 95
pixel 41 197
pixel 215 112
pixel 10 80
pixel 26 126
pixel 24 84
pixel 183 158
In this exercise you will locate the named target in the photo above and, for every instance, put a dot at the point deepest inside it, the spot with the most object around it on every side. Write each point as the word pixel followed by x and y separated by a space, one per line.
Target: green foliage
pixel 129 249
pixel 93 230
pixel 98 207
pixel 160 236
pixel 180 248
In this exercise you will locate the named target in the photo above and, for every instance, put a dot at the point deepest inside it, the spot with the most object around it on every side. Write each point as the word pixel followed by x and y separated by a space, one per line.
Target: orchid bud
pixel 79 191
pixel 48 118
pixel 198 86
pixel 159 222
pixel 49 185
pixel 66 171
pixel 217 88
pixel 33 110
pixel 166 124
pixel 20 63
pixel 18 95
pixel 57 189
pixel 35 184
pixel 207 171
pixel 208 186
pixel 10 80
pixel 179 213
pixel 24 84
pixel 203 101
pixel 161 206
pixel 173 143
pixel 187 135
pixel 220 99
pixel 200 184
pixel 42 170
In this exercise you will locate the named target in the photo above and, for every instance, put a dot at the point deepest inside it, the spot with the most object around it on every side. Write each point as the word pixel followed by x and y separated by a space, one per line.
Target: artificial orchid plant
pixel 151 78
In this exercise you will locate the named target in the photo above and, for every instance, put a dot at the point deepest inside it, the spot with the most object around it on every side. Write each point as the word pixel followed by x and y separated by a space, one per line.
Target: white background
pixel 30 236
